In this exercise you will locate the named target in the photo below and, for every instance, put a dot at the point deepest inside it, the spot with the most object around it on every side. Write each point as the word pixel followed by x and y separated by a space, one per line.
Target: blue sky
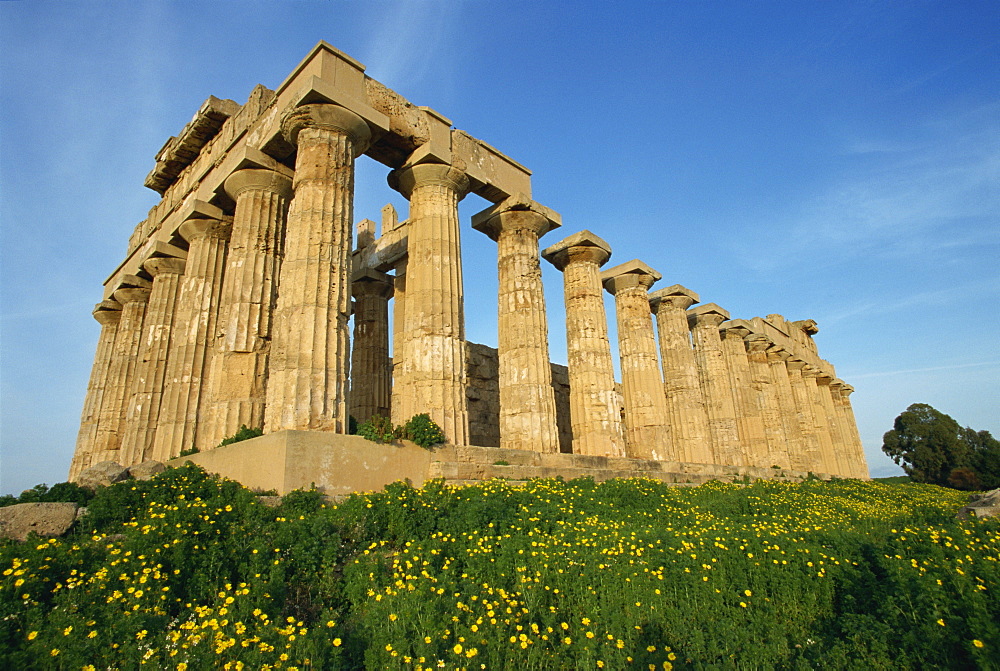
pixel 838 161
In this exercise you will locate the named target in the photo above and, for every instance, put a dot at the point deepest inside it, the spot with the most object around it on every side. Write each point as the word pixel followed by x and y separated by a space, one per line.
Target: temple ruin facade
pixel 250 297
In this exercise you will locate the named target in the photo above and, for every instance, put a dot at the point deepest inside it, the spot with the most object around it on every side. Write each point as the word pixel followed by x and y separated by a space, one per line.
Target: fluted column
pixel 185 409
pixel 685 401
pixel 776 357
pixel 118 385
pixel 433 375
pixel 647 423
pixel 371 375
pixel 840 448
pixel 147 387
pixel 398 340
pixel 595 416
pixel 770 408
pixel 310 353
pixel 237 382
pixel 107 314
pixel 827 452
pixel 847 411
pixel 749 418
pixel 527 399
pixel 713 374
pixel 810 456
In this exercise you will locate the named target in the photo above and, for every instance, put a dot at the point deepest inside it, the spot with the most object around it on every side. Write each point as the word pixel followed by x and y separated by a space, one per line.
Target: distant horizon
pixel 833 162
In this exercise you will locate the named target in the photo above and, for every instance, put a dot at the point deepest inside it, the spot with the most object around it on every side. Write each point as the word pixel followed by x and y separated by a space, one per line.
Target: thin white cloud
pixel 410 41
pixel 909 371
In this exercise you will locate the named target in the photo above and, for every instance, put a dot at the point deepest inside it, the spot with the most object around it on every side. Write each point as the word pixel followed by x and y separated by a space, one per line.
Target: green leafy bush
pixel 379 429
pixel 423 431
pixel 62 492
pixel 243 433
pixel 189 451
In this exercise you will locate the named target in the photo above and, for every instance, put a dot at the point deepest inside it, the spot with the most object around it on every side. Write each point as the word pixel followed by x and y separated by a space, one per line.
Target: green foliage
pixel 243 433
pixel 186 567
pixel 352 425
pixel 379 429
pixel 67 492
pixel 189 451
pixel 501 462
pixel 933 448
pixel 423 431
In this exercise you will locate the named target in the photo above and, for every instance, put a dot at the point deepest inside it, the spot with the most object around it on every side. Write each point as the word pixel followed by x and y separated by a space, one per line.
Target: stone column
pixel 371 374
pixel 770 408
pixel 685 401
pixel 847 412
pixel 827 453
pixel 749 418
pixel 310 353
pixel 398 353
pixel 647 427
pixel 810 457
pixel 594 411
pixel 527 399
pixel 133 296
pixel 185 409
pixel 239 361
pixel 720 406
pixel 107 314
pixel 840 448
pixel 776 357
pixel 147 387
pixel 433 336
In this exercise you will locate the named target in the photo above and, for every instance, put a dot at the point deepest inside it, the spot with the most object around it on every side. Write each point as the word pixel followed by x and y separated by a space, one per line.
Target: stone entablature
pixel 233 306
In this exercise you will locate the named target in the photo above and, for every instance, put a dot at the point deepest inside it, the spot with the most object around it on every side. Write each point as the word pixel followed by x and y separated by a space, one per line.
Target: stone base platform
pixel 339 464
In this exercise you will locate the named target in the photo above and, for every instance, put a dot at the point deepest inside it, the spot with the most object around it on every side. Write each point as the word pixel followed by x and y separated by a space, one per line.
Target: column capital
pixel 758 342
pixel 407 179
pixel 371 283
pixel 106 315
pixel 795 363
pixel 518 212
pixel 846 389
pixel 675 296
pixel 258 179
pixel 708 314
pixel 627 275
pixel 132 295
pixel 129 281
pixel 163 264
pixel 583 247
pixel 811 371
pixel 327 117
pixel 194 229
pixel 733 330
pixel 778 353
pixel 837 384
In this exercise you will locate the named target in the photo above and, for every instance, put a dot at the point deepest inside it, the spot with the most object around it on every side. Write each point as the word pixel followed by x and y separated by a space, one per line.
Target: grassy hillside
pixel 190 572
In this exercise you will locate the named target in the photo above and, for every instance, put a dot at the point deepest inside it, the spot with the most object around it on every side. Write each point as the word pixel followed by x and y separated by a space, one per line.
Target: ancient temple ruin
pixel 233 307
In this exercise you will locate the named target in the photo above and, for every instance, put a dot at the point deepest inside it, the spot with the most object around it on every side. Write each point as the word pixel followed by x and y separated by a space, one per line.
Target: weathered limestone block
pixel 310 354
pixel 594 404
pixel 749 417
pixel 48 520
pixel 371 368
pixel 432 375
pixel 239 362
pixel 398 340
pixel 147 386
pixel 810 457
pixel 527 402
pixel 713 374
pixel 108 314
pixel 827 451
pixel 185 411
pixel 685 400
pixel 776 357
pixel 102 474
pixel 845 467
pixel 770 408
pixel 986 504
pixel 146 470
pixel 647 429
pixel 859 451
pixel 118 385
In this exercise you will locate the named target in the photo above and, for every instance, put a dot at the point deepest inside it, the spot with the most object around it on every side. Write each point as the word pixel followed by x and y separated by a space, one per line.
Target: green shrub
pixel 379 429
pixel 62 492
pixel 189 451
pixel 244 433
pixel 423 431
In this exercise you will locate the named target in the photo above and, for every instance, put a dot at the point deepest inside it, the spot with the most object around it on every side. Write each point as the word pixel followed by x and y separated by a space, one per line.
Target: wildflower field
pixel 188 571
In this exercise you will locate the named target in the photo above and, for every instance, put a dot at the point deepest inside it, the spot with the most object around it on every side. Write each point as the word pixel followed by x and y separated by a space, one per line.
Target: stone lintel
pixel 674 294
pixel 807 325
pixel 492 174
pixel 437 149
pixel 491 221
pixel 179 152
pixel 558 254
pixel 386 251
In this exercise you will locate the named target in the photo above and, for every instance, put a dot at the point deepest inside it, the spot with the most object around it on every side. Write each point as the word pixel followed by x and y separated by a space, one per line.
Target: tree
pixel 932 447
